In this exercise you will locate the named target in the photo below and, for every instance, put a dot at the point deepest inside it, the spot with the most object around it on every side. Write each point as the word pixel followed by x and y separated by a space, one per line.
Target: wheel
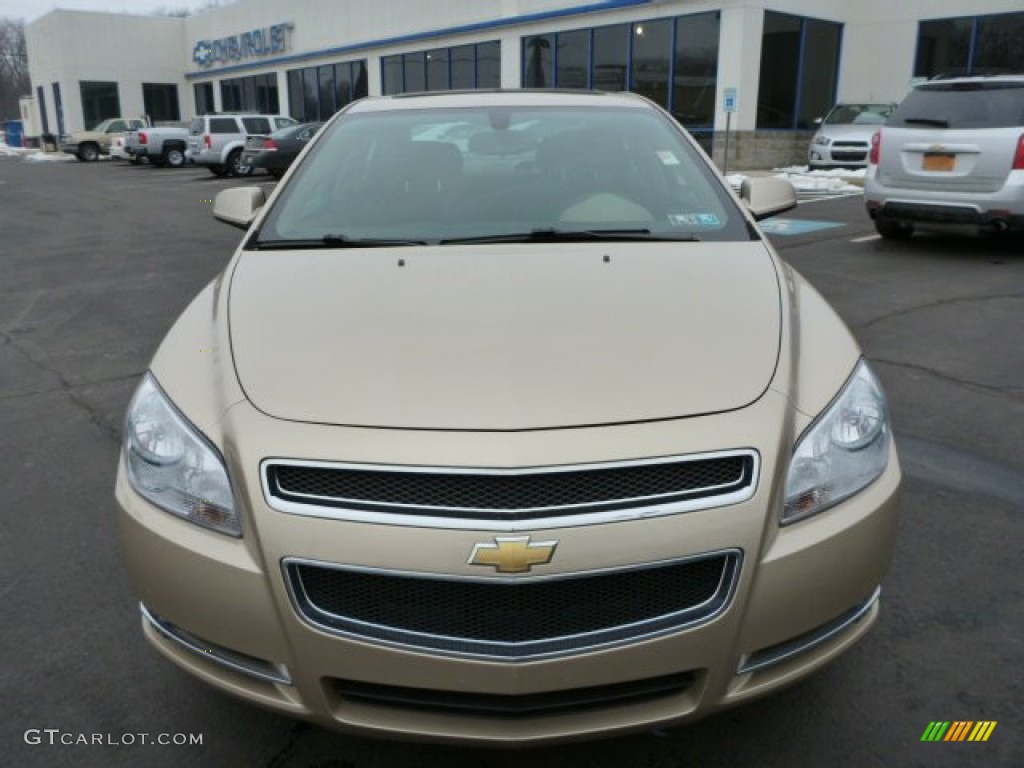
pixel 277 173
pixel 891 229
pixel 174 157
pixel 88 153
pixel 217 170
pixel 235 165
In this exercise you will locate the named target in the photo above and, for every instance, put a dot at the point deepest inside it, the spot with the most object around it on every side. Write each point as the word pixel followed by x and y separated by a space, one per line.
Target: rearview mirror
pixel 238 206
pixel 767 197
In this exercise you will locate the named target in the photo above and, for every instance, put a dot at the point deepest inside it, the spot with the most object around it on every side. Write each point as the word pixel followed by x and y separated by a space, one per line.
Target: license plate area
pixel 938 161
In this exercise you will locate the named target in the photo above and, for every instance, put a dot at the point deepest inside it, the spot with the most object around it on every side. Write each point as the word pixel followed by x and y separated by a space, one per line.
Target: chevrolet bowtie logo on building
pixel 512 554
pixel 958 730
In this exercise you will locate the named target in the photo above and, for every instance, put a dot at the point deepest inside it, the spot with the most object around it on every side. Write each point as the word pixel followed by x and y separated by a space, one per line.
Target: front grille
pixel 513 618
pixel 850 156
pixel 508 495
pixel 509 706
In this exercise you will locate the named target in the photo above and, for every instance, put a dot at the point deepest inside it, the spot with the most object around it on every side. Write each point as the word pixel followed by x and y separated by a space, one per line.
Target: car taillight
pixel 876 148
pixel 269 144
pixel 1018 159
pixel 143 138
pixel 207 141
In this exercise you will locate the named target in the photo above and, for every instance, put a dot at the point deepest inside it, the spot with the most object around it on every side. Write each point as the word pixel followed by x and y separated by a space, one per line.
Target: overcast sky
pixel 29 10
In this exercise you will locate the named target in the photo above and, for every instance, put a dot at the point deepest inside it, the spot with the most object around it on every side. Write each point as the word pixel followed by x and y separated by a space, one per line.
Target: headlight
pixel 821 140
pixel 170 463
pixel 845 450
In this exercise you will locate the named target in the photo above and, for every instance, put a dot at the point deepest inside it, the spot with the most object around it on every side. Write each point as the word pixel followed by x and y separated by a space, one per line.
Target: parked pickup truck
pixel 89 145
pixel 162 145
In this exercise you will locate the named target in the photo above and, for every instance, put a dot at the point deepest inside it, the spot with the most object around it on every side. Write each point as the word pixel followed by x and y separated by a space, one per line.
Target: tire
pixel 892 229
pixel 88 153
pixel 235 165
pixel 174 157
pixel 158 162
pixel 277 173
pixel 218 170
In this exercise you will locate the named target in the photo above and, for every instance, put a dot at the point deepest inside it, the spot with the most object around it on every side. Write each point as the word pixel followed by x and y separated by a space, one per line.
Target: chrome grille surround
pixel 573 507
pixel 550 597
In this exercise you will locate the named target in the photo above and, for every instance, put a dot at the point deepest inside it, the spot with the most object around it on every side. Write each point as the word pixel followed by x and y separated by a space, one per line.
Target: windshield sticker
pixel 667 157
pixel 693 220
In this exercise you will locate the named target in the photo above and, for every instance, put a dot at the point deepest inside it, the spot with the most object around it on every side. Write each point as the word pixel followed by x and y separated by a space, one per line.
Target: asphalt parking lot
pixel 98 259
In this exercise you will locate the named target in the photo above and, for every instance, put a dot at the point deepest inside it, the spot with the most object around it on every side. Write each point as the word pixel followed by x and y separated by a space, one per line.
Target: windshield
pixel 438 175
pixel 858 114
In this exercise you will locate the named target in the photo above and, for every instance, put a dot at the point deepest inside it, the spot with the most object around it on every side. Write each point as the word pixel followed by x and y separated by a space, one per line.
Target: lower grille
pixel 513 618
pixel 508 706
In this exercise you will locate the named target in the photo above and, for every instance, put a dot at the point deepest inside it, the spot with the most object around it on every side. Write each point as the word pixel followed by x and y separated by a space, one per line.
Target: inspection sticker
pixel 667 157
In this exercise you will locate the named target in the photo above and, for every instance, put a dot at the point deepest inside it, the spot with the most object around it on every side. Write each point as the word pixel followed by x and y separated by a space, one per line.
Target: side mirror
pixel 766 197
pixel 238 206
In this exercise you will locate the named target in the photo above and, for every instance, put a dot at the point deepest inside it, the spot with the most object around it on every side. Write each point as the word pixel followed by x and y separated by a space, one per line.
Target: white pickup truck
pixel 163 145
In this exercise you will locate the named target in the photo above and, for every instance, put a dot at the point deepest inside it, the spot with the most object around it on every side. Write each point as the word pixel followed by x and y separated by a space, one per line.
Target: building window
pixel 442 69
pixel 58 106
pixel 203 93
pixel 160 101
pixel 250 94
pixel 41 94
pixel 799 70
pixel 572 68
pixel 99 101
pixel 695 70
pixel 316 93
pixel 672 61
pixel 975 45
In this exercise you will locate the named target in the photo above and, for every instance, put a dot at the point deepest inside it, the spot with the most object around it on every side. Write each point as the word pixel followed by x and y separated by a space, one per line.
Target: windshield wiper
pixel 331 241
pixel 927 121
pixel 552 235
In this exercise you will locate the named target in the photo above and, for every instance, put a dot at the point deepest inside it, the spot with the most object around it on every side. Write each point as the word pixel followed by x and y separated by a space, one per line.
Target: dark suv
pixel 951 153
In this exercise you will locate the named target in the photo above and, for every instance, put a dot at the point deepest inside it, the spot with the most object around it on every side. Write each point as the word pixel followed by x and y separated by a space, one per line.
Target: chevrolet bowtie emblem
pixel 512 554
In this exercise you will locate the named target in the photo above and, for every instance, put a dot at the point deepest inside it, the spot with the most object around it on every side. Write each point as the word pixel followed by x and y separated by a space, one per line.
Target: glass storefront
pixel 316 93
pixel 471 66
pixel 971 45
pixel 799 71
pixel 250 94
pixel 160 101
pixel 99 101
pixel 672 61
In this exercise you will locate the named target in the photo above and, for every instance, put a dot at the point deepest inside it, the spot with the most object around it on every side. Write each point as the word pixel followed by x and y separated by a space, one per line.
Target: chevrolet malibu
pixel 505 424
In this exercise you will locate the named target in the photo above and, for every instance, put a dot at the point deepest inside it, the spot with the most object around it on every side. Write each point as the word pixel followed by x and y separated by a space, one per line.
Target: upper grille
pixel 509 494
pixel 513 618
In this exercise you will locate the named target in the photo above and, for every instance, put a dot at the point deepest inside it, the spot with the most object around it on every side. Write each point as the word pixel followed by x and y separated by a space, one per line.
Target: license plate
pixel 936 161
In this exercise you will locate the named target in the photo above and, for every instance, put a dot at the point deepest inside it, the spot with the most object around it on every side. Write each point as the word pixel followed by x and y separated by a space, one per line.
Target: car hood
pixel 505 337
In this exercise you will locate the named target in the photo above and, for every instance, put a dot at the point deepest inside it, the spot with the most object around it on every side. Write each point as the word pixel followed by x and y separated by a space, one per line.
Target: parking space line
pixel 865 239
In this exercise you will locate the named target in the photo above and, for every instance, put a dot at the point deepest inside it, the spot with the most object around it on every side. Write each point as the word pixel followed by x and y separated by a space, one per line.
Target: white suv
pixel 217 140
pixel 952 153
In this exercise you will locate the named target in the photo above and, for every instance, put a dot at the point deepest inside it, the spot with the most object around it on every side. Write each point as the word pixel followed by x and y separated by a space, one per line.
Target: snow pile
pixel 806 181
pixel 35 156
pixel 6 151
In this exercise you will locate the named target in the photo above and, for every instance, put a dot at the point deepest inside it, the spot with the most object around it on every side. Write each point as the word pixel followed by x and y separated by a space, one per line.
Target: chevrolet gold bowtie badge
pixel 512 554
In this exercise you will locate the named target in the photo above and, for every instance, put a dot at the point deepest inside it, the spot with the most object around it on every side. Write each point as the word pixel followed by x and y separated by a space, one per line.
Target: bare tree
pixel 14 80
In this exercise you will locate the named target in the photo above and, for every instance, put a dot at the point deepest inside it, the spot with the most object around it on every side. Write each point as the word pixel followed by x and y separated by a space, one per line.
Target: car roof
pixel 498 98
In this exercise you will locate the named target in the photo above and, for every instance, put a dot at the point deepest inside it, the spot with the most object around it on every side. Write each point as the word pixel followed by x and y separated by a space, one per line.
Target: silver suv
pixel 217 140
pixel 952 153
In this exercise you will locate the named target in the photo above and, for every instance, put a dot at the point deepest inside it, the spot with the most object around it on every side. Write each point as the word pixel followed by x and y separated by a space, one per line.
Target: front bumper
pixel 222 609
pixel 831 156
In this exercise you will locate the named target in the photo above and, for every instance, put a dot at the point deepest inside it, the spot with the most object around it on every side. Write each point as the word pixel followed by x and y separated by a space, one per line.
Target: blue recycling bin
pixel 13 133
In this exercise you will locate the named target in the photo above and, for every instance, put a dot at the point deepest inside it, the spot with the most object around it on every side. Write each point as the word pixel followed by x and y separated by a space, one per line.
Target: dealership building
pixel 763 68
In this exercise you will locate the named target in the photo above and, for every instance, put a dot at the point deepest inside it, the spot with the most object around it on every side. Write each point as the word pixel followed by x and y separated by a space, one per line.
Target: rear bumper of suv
pixel 944 204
